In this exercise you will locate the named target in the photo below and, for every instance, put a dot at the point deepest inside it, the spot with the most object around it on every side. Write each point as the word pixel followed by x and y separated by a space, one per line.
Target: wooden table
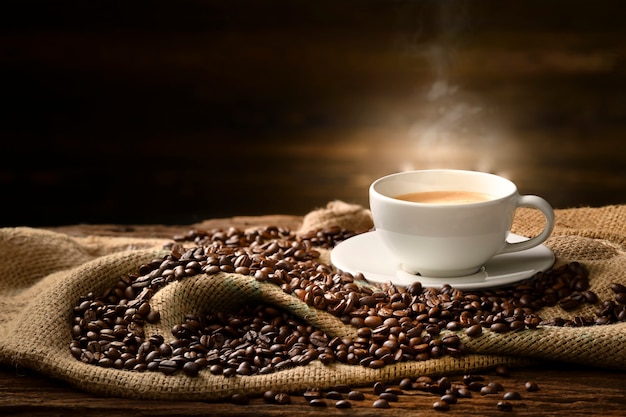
pixel 564 389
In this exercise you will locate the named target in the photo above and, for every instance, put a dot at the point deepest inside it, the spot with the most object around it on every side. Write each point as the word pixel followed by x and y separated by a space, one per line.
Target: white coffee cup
pixel 450 238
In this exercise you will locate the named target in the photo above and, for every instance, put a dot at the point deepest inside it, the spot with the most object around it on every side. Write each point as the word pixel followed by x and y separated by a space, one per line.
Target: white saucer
pixel 365 253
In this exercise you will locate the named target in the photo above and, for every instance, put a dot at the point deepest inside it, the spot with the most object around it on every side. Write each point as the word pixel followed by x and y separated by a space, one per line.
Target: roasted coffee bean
pixel 381 403
pixel 343 404
pixel 406 384
pixel 334 395
pixel 487 390
pixel 590 297
pixel 449 399
pixel 379 388
pixel 620 297
pixel 504 406
pixel 476 386
pixel 499 327
pixel 474 330
pixel 464 393
pixel 269 396
pixel 318 402
pixel 168 367
pixel 496 386
pixel 282 398
pixel 512 395
pixel 441 406
pixel 356 395
pixel 312 394
pixel 191 368
pixel 389 396
pixel 531 386
pixel 618 288
pixel 569 303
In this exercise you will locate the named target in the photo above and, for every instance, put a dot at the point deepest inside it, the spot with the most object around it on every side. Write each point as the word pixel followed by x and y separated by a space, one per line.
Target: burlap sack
pixel 43 274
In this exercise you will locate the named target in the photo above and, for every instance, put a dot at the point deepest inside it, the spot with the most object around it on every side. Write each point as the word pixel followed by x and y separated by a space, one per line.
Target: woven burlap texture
pixel 44 274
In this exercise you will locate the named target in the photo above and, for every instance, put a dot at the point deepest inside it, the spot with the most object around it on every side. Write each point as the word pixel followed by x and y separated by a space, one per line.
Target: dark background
pixel 173 112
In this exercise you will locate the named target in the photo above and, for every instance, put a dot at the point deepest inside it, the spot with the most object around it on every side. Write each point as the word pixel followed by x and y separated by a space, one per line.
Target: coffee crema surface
pixel 445 197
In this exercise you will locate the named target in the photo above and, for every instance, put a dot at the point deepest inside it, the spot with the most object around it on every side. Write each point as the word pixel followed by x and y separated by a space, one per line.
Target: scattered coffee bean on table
pixel 441 406
pixel 356 395
pixel 318 402
pixel 282 398
pixel 512 395
pixel 381 403
pixel 343 404
pixel 531 386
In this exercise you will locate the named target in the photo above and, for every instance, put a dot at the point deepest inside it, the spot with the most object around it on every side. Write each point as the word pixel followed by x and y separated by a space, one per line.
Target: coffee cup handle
pixel 542 205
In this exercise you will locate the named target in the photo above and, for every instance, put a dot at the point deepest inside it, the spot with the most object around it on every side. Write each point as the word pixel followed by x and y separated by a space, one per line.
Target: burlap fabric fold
pixel 44 274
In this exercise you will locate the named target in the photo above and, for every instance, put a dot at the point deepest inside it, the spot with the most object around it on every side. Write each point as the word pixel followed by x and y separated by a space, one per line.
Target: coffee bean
pixel 381 403
pixel 474 330
pixel 618 288
pixel 282 398
pixel 269 396
pixel 487 390
pixel 441 406
pixel 406 384
pixel 531 386
pixel 512 395
pixel 569 303
pixel 312 394
pixel 334 395
pixel 343 404
pixel 464 393
pixel 373 321
pixel 318 402
pixel 379 388
pixel 191 368
pixel 495 386
pixel 168 367
pixel 389 396
pixel 476 386
pixel 499 327
pixel 449 399
pixel 356 395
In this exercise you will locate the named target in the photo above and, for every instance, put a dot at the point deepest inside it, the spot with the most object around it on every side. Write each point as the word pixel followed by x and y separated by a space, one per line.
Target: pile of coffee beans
pixel 393 324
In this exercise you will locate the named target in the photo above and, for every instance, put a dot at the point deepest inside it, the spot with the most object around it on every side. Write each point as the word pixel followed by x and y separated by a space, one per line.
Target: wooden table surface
pixel 564 389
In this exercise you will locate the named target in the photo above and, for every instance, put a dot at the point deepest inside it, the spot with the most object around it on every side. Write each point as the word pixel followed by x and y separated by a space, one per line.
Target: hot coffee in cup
pixel 445 197
pixel 449 223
